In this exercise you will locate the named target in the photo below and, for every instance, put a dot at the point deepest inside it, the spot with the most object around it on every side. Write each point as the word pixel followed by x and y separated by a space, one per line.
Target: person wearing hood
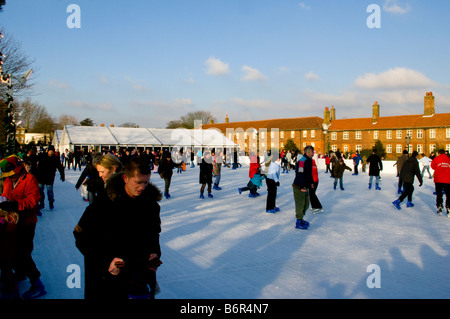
pixel 118 236
pixel 21 191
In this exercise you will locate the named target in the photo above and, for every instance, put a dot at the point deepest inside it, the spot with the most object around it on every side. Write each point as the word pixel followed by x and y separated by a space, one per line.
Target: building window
pixel 409 133
pixel 419 133
pixel 447 147
pixel 345 136
pixel 334 148
pixel 313 133
pixel 292 134
pixel 304 144
pixel 389 148
pixel 419 148
pixel 358 135
pixel 447 133
pixel 399 148
pixel 345 148
pixel 432 148
pixel 375 135
pixel 282 134
pixel 388 135
pixel 305 133
pixel 313 144
pixel 359 148
pixel 432 133
pixel 398 134
pixel 334 136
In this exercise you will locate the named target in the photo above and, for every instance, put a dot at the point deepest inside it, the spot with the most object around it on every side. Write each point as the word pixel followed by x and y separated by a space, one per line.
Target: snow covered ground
pixel 229 247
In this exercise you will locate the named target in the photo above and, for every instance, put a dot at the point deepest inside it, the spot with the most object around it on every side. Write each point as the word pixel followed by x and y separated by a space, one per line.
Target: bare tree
pixel 66 119
pixel 15 62
pixel 34 117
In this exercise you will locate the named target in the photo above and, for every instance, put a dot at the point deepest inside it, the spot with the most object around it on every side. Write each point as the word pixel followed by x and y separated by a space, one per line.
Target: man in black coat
pixel 46 170
pixel 409 170
pixel 119 237
pixel 375 167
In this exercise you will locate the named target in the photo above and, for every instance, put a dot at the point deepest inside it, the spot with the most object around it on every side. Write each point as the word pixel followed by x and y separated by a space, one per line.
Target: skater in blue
pixel 253 185
pixel 409 170
pixel 375 166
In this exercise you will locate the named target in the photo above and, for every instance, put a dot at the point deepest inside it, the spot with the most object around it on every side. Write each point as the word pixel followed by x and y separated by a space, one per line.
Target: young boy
pixel 339 173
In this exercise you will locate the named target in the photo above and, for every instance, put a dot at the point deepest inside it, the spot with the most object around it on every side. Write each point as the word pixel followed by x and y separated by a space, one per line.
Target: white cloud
pixel 259 104
pixel 58 84
pixel 90 106
pixel 311 76
pixel 392 6
pixel 217 67
pixel 303 5
pixel 252 74
pixel 394 79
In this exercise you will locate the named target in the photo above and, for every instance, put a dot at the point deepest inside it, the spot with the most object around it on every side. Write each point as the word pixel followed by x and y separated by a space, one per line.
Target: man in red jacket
pixel 21 191
pixel 441 167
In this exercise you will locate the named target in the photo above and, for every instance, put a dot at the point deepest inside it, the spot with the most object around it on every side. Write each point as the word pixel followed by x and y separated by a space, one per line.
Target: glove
pixel 277 183
pixel 10 206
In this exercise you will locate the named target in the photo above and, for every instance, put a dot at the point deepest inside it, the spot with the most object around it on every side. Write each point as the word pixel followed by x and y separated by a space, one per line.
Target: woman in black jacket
pixel 206 172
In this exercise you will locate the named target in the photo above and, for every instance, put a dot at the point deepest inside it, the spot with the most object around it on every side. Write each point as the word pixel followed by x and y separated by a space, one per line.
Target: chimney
pixel 333 113
pixel 428 104
pixel 326 116
pixel 375 112
pixel 227 120
pixel 211 121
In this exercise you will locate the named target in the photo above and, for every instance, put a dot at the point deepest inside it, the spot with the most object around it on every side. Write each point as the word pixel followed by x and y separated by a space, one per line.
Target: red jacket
pixel 26 193
pixel 254 166
pixel 315 173
pixel 441 167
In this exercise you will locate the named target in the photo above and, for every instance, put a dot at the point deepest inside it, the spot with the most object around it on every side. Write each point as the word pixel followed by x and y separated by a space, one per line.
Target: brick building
pixel 423 132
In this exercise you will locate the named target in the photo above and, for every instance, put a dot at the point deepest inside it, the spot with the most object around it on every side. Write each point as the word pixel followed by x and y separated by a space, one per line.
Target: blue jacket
pixel 303 173
pixel 257 179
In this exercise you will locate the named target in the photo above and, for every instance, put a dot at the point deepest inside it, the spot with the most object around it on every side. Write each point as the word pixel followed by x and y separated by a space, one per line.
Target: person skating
pixel 339 173
pixel 272 182
pixel 21 190
pixel 206 172
pixel 399 163
pixel 118 236
pixel 47 166
pixel 409 170
pixel 165 171
pixel 441 167
pixel 253 185
pixel 302 182
pixel 316 205
pixel 375 167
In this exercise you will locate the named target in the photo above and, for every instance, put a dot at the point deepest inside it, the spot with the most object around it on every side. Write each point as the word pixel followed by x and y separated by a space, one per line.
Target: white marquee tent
pixel 96 137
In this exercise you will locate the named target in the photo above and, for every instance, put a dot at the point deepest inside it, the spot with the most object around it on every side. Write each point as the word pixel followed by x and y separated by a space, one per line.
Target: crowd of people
pixel 120 181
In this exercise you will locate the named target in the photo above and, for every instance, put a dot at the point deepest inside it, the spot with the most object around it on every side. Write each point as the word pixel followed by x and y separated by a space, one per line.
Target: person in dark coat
pixel 375 167
pixel 118 236
pixel 409 170
pixel 206 172
pixel 46 170
pixel 91 179
pixel 165 171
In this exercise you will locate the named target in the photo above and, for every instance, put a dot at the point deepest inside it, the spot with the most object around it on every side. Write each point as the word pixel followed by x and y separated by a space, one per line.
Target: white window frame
pixel 389 148
pixel 419 133
pixel 389 134
pixel 398 134
pixel 358 135
pixel 345 135
pixel 432 133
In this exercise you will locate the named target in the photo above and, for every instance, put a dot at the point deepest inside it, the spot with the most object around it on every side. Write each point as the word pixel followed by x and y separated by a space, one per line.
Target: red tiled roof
pixel 297 123
pixel 392 122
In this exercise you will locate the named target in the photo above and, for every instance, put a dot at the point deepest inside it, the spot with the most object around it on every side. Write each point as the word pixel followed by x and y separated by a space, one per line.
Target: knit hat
pixel 10 165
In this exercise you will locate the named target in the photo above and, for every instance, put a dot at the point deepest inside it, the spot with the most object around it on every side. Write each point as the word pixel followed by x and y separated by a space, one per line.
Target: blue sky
pixel 150 62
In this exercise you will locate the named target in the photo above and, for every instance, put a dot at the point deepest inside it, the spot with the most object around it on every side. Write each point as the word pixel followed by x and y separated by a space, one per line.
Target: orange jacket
pixel 26 194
